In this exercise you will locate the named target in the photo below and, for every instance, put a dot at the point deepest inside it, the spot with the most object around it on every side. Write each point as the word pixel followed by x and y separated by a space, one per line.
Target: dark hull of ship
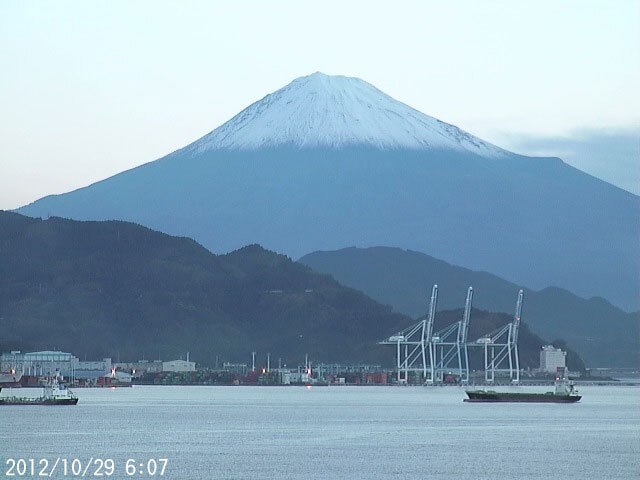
pixel 38 401
pixel 493 397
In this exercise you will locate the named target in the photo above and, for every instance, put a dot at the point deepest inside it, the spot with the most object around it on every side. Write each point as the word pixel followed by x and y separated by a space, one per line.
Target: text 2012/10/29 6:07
pixel 93 467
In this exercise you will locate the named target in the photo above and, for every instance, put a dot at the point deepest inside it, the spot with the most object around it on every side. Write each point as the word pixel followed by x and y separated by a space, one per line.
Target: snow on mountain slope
pixel 336 111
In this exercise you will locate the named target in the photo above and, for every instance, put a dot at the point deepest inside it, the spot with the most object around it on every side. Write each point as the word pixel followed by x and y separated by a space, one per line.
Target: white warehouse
pixel 178 366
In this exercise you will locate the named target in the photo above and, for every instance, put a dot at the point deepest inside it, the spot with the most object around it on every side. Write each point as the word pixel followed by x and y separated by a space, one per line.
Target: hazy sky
pixel 88 89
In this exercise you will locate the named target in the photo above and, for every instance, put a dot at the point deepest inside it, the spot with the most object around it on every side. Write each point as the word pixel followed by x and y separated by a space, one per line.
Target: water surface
pixel 334 432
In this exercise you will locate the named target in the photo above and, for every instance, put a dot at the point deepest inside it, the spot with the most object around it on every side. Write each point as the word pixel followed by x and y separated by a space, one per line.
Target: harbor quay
pixel 32 369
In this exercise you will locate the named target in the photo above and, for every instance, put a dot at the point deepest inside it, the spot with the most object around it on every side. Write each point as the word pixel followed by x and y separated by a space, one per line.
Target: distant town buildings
pixel 139 368
pixel 52 362
pixel 337 369
pixel 92 371
pixel 178 366
pixel 35 367
pixel 39 363
pixel 237 368
pixel 65 364
pixel 103 365
pixel 551 359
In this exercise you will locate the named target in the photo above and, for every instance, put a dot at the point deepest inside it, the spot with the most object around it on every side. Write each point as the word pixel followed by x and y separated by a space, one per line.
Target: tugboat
pixel 564 392
pixel 52 394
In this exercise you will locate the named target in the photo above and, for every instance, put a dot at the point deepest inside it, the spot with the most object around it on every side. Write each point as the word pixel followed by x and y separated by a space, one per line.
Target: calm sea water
pixel 333 432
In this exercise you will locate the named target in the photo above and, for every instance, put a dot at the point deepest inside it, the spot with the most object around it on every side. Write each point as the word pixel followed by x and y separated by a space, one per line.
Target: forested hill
pixel 121 290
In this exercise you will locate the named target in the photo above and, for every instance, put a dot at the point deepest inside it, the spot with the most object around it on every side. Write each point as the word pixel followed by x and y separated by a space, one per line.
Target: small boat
pixel 53 394
pixel 564 392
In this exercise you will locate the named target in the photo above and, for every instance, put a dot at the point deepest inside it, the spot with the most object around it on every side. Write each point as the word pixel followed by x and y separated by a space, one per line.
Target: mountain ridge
pixel 496 213
pixel 603 334
pixel 117 289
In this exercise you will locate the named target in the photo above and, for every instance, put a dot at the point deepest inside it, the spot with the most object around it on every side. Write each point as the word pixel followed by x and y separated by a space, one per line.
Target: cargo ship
pixel 52 394
pixel 564 392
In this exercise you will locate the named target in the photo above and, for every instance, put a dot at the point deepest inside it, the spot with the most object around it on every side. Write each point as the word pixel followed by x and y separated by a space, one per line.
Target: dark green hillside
pixel 603 334
pixel 121 290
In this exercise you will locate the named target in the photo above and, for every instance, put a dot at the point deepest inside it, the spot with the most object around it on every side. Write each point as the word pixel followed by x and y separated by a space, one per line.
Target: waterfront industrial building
pixel 39 363
pixel 178 366
pixel 52 362
pixel 139 368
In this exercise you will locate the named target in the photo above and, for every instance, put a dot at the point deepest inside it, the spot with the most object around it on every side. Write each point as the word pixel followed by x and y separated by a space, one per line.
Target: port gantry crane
pixel 414 350
pixel 418 349
pixel 501 348
pixel 450 346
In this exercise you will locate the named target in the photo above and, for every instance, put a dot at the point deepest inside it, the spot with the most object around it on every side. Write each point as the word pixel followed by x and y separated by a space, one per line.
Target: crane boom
pixel 516 317
pixel 432 313
pixel 464 327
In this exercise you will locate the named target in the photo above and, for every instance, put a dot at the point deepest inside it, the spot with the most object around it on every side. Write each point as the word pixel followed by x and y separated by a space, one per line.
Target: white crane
pixel 501 347
pixel 418 349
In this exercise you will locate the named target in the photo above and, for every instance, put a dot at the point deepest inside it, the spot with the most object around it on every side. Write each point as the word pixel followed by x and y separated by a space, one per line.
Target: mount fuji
pixel 334 111
pixel 328 162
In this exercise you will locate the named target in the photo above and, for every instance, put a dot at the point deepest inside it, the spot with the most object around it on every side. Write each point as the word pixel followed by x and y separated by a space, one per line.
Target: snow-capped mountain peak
pixel 320 110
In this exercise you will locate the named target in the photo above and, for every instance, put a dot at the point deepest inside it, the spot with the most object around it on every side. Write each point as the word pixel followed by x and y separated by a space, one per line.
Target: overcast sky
pixel 88 89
